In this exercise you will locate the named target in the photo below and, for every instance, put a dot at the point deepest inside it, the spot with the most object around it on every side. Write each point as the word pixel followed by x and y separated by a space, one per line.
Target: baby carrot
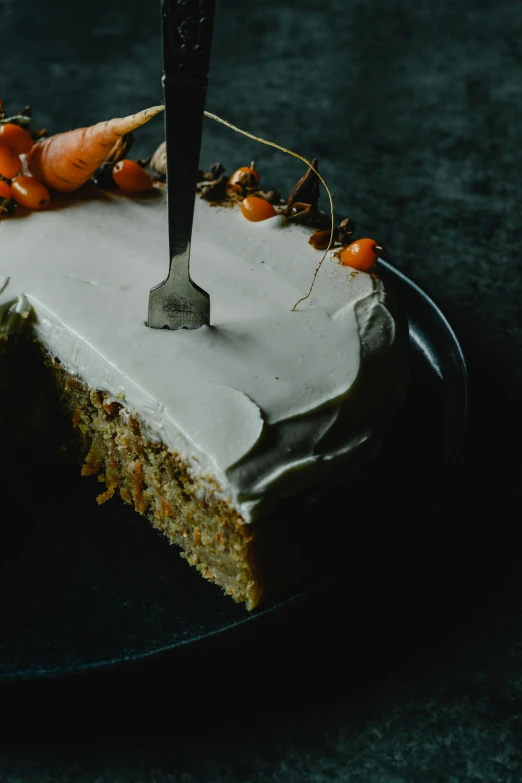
pixel 67 160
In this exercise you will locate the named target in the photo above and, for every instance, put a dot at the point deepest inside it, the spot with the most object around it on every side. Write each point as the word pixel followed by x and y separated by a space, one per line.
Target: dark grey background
pixel 415 113
pixel 413 110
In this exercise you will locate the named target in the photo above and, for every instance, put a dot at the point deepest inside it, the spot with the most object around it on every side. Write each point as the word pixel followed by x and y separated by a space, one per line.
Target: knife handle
pixel 187 36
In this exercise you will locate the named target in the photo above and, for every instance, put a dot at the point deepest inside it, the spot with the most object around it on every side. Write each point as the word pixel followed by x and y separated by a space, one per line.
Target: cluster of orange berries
pixel 133 179
pixel 15 187
pixel 27 191
pixel 361 254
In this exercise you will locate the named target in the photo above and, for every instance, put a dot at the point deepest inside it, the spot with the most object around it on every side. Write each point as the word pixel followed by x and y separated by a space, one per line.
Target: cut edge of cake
pixel 250 559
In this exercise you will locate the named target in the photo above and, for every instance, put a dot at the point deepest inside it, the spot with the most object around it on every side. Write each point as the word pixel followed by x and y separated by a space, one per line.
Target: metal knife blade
pixel 178 302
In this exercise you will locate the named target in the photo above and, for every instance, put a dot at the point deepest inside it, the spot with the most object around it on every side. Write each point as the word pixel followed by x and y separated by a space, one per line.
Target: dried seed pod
pixel 307 215
pixel 306 191
pixel 215 190
pixel 272 196
pixel 345 231
pixel 217 170
pixel 298 211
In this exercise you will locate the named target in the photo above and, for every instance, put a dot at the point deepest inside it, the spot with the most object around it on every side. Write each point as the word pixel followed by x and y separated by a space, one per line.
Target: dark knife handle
pixel 187 36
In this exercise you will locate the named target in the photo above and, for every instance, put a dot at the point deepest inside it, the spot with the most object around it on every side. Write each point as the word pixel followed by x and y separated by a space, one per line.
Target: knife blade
pixel 187 25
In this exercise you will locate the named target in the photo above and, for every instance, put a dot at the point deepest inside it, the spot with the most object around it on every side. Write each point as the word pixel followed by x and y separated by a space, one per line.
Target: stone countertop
pixel 414 111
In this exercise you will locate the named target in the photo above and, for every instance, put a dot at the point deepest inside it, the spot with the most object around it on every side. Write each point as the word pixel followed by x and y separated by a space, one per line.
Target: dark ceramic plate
pixel 82 586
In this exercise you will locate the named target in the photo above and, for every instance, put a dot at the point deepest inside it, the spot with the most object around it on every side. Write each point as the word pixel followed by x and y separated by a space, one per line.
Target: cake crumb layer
pixel 158 485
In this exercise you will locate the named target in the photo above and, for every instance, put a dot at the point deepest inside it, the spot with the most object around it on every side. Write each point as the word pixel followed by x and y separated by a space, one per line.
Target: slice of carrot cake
pixel 204 431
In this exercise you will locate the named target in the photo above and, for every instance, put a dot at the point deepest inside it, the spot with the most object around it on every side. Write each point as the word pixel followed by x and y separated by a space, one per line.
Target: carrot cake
pixel 205 431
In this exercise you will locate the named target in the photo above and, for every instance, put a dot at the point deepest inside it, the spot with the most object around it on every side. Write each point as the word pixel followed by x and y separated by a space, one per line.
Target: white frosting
pixel 265 399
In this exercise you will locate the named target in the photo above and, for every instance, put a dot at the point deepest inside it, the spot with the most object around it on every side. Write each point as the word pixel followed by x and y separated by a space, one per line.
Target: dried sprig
pixel 7 206
pixel 23 119
pixel 305 160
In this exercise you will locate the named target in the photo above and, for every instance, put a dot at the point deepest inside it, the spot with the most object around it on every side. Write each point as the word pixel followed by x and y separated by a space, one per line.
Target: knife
pixel 178 302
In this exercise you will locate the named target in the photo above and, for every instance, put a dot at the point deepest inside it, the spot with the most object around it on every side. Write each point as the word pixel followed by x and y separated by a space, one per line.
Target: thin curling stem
pixel 296 155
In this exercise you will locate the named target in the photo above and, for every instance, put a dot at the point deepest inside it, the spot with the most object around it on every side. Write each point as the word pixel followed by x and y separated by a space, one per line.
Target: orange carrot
pixel 67 160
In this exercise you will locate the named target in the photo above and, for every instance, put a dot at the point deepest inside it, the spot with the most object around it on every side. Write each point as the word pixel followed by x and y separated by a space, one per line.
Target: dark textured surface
pixel 414 111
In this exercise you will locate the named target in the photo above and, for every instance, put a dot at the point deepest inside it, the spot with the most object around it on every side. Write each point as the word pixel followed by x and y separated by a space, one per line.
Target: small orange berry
pixel 361 254
pixel 245 175
pixel 10 163
pixel 30 193
pixel 16 138
pixel 131 177
pixel 255 208
pixel 5 189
